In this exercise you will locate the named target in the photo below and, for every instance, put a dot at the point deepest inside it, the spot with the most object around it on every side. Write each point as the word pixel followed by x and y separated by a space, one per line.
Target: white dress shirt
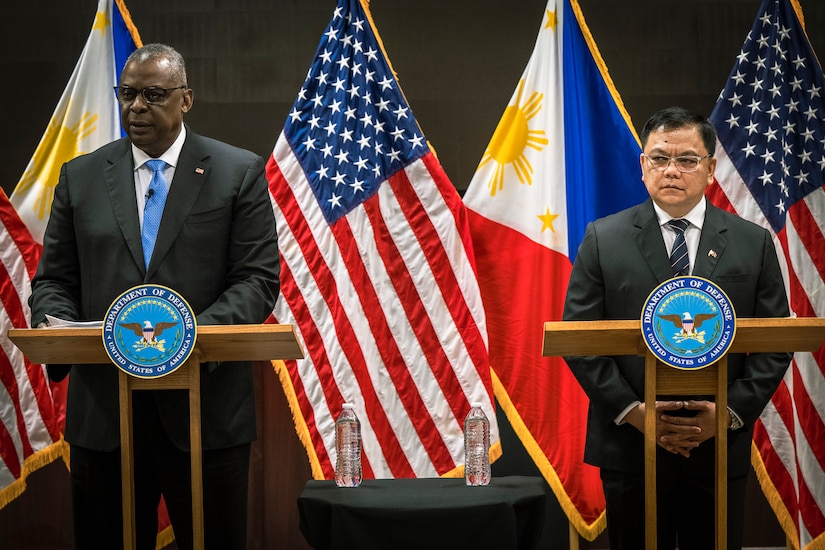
pixel 143 174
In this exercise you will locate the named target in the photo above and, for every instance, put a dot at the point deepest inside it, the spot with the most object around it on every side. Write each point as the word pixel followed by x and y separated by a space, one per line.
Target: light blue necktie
pixel 152 212
pixel 679 261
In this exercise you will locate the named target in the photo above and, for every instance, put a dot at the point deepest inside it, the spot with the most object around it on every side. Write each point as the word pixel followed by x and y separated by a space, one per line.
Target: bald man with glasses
pixel 169 207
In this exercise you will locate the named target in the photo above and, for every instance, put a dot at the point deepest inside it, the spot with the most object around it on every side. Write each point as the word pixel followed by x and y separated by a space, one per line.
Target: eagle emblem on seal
pixel 688 324
pixel 148 333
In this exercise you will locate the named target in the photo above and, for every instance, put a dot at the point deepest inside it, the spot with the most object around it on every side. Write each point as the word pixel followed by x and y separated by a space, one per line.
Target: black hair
pixel 673 118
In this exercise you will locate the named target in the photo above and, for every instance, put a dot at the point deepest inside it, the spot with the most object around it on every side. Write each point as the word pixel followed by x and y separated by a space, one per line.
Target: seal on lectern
pixel 149 331
pixel 688 323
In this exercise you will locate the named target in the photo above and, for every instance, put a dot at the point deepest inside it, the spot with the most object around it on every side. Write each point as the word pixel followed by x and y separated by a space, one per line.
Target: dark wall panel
pixel 458 61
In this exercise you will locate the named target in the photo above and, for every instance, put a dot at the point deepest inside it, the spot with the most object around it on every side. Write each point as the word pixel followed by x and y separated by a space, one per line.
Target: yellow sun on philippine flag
pixel 59 144
pixel 511 138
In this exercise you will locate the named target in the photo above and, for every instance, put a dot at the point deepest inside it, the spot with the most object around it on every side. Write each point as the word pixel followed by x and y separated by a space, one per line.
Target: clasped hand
pixel 678 434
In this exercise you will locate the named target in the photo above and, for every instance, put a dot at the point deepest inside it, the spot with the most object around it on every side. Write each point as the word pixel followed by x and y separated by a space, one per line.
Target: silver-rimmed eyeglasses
pixel 153 95
pixel 683 163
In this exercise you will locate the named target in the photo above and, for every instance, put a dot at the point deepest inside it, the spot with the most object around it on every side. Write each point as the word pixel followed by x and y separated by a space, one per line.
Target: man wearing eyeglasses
pixel 622 258
pixel 213 240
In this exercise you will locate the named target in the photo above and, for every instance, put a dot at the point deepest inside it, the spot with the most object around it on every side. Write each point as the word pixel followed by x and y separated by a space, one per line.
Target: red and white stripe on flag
pixel 771 169
pixel 377 273
pixel 29 420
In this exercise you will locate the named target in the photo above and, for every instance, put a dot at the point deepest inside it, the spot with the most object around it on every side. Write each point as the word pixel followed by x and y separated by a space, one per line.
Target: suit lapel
pixel 650 242
pixel 190 175
pixel 119 178
pixel 712 243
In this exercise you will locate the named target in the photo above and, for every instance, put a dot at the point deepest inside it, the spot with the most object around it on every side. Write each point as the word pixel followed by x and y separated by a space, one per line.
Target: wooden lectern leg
pixel 650 451
pixel 196 452
pixel 186 377
pixel 573 537
pixel 721 454
pixel 127 461
pixel 669 381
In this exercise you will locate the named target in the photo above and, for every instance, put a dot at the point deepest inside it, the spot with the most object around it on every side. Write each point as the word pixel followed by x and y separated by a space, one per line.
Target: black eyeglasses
pixel 153 95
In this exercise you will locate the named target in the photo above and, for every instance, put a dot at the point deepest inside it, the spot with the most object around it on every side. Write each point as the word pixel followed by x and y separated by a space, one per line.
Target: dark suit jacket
pixel 620 261
pixel 216 245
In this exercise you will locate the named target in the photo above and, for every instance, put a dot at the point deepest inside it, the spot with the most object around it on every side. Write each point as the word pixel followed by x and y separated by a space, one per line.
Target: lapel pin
pixel 199 171
pixel 712 253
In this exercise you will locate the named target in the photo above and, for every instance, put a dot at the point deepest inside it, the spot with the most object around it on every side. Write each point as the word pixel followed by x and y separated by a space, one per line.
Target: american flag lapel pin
pixel 199 170
pixel 712 254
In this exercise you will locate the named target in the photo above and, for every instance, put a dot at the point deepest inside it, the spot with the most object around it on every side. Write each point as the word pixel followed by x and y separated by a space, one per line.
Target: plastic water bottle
pixel 476 447
pixel 348 448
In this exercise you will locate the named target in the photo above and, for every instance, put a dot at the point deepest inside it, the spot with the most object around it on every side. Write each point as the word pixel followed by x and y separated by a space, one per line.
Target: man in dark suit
pixel 622 258
pixel 217 246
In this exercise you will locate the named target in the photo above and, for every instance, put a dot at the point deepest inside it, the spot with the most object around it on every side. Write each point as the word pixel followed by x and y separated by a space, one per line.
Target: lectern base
pixel 186 377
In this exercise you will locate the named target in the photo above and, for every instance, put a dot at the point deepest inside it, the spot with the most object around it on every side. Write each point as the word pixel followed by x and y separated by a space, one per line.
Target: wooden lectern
pixel 213 343
pixel 576 338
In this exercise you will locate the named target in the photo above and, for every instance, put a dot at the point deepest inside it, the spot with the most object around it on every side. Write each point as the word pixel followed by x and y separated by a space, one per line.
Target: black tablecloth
pixel 432 513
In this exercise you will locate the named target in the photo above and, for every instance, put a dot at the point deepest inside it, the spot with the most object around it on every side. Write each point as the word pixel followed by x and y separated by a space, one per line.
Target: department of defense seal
pixel 688 323
pixel 149 331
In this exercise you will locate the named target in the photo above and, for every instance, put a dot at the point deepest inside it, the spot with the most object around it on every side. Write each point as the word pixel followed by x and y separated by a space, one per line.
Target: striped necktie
pixel 152 212
pixel 679 261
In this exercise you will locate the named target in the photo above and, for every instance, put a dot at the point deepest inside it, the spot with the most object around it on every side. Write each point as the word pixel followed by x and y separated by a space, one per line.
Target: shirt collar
pixel 696 216
pixel 170 156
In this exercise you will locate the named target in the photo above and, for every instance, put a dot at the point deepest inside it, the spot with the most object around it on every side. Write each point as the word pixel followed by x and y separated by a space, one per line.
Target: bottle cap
pixel 476 404
pixel 347 406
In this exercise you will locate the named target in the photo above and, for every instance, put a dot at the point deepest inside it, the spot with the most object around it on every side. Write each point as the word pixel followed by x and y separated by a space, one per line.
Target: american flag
pixel 769 119
pixel 29 424
pixel 377 270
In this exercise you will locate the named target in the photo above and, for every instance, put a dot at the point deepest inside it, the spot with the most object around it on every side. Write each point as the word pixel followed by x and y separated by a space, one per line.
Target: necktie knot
pixel 156 165
pixel 679 225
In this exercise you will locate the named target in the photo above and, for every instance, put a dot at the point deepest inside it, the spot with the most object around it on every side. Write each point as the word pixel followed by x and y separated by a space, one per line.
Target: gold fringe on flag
pixel 588 531
pixel 58 449
pixel 298 418
pixel 127 18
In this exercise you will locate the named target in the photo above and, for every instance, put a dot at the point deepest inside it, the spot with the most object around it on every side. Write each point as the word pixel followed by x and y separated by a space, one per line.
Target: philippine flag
pixel 563 154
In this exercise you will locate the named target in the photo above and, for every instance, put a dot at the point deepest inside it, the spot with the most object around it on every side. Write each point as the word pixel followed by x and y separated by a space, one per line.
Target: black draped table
pixel 431 513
